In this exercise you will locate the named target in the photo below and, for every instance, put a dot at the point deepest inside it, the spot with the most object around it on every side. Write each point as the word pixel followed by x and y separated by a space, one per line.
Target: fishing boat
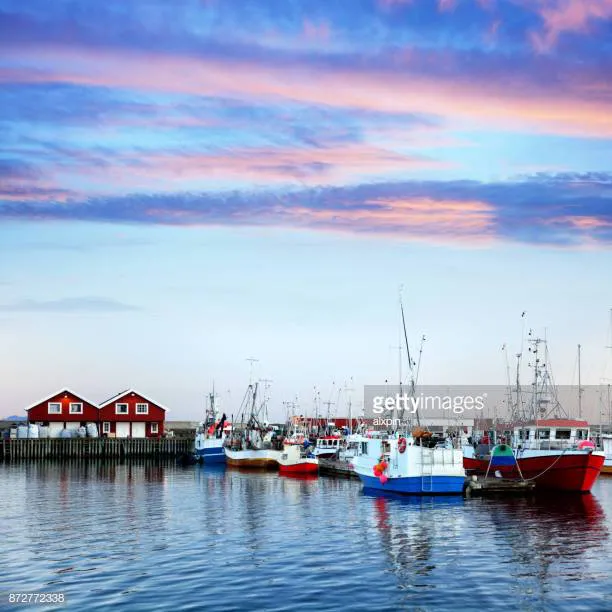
pixel 548 448
pixel 555 453
pixel 295 459
pixel 400 464
pixel 406 462
pixel 246 446
pixel 210 435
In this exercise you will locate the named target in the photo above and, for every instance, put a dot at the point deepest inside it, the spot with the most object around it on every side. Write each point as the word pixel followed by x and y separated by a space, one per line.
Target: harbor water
pixel 155 536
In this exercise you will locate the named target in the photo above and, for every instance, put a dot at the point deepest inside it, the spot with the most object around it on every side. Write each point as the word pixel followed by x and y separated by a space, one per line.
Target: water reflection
pixel 151 535
pixel 526 545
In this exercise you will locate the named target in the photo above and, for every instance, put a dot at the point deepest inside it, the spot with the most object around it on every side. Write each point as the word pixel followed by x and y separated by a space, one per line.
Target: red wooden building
pixel 63 410
pixel 130 414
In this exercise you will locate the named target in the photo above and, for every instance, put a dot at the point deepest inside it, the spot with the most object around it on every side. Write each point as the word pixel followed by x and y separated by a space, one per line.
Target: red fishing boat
pixel 294 459
pixel 555 453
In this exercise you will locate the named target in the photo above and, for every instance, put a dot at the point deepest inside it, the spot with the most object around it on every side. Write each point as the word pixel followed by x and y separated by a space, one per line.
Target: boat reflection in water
pixel 539 551
pixel 297 476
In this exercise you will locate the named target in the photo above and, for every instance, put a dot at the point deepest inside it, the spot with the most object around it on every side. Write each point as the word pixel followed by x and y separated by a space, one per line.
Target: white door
pixel 139 430
pixel 55 428
pixel 122 430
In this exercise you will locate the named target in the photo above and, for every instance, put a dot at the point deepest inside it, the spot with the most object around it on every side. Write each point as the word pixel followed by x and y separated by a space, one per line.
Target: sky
pixel 188 185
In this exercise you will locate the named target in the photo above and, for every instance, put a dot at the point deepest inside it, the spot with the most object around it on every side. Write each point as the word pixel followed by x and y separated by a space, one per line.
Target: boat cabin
pixel 551 434
pixel 329 442
pixel 606 444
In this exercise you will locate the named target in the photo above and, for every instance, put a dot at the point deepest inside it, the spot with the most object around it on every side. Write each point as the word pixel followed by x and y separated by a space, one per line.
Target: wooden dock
pixel 332 467
pixel 497 486
pixel 49 448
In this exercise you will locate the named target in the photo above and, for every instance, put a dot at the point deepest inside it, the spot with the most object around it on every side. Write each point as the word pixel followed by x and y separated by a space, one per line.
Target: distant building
pixel 130 414
pixel 63 410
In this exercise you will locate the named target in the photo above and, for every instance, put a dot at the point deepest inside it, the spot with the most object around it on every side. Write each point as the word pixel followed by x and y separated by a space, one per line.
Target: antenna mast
pixel 251 361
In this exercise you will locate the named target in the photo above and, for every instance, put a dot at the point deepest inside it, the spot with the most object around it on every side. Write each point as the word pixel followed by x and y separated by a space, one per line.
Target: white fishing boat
pixel 246 446
pixel 400 464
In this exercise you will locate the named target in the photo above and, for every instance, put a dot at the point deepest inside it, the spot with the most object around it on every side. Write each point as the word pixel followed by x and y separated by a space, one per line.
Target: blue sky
pixel 184 188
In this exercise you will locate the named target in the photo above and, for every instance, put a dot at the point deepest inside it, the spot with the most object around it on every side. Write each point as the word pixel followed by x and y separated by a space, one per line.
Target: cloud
pixel 69 305
pixel 319 165
pixel 446 5
pixel 569 209
pixel 567 94
pixel 563 16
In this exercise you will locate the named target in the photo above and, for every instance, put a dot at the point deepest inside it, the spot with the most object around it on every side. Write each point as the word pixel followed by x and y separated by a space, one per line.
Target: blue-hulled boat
pixel 210 435
pixel 400 465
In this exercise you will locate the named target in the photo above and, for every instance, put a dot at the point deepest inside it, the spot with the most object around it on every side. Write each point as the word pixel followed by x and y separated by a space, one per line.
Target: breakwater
pixel 49 448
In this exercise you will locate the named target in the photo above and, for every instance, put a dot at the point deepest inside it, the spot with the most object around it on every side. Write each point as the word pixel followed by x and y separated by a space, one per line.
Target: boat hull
pixel 568 472
pixel 416 485
pixel 303 467
pixel 211 455
pixel 253 459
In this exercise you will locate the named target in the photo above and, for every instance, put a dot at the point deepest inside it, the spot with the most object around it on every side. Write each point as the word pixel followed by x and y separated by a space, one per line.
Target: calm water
pixel 159 537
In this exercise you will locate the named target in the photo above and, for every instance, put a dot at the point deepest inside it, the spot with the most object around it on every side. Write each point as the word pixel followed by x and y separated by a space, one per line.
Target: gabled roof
pixel 64 390
pixel 122 394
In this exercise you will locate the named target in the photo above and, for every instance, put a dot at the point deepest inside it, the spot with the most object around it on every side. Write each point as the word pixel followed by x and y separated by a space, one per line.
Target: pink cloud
pixel 446 5
pixel 320 165
pixel 567 16
pixel 486 101
pixel 415 218
pixel 582 222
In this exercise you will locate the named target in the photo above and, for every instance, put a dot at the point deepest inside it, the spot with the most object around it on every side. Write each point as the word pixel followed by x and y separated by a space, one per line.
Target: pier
pixel 332 467
pixel 497 486
pixel 48 448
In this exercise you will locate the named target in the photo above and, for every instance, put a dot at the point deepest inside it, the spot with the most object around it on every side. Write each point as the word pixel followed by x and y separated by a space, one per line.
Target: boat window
pixel 544 434
pixel 364 448
pixel 563 434
pixel 582 434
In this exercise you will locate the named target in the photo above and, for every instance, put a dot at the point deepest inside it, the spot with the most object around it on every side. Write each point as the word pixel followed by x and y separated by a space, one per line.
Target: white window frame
pixel 139 405
pixel 154 428
pixel 106 428
pixel 71 411
pixel 49 411
pixel 127 407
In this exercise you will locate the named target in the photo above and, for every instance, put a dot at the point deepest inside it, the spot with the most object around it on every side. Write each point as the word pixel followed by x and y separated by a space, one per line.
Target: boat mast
pixel 609 347
pixel 349 390
pixel 579 386
pixel 411 363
